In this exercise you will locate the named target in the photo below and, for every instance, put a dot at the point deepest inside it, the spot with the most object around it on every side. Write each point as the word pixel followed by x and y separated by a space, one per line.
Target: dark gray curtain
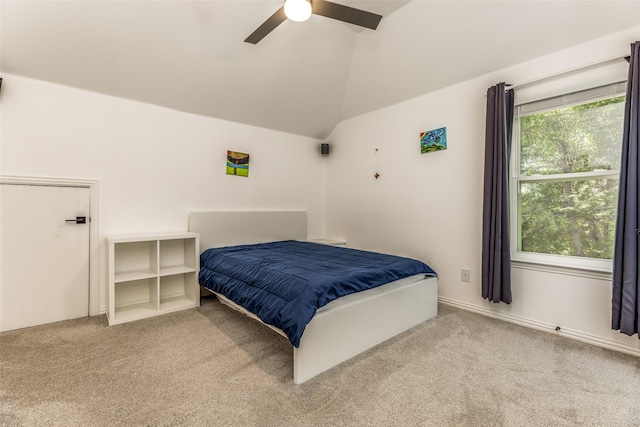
pixel 626 295
pixel 496 253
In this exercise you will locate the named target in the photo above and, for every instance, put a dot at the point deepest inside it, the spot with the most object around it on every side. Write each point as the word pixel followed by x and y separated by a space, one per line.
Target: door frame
pixel 94 229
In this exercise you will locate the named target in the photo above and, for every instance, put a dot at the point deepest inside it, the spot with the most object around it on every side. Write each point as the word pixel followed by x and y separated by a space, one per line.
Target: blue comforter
pixel 284 283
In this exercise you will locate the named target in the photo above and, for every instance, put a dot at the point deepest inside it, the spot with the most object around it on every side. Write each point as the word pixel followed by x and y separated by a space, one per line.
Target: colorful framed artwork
pixel 237 163
pixel 433 140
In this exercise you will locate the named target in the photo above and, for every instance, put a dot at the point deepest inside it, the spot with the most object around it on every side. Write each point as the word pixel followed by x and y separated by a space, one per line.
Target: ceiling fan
pixel 301 10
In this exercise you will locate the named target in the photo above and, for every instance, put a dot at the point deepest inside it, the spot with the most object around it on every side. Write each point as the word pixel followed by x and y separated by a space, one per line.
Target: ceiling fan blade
pixel 346 14
pixel 267 26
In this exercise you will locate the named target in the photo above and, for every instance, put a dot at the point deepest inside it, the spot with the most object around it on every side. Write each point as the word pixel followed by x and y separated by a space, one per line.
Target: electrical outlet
pixel 465 275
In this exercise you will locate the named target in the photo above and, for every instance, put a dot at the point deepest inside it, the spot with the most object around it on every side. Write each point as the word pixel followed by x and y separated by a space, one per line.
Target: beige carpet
pixel 211 366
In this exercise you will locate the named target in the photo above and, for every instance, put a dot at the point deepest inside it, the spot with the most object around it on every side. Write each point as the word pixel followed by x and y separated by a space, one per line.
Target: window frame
pixel 562 262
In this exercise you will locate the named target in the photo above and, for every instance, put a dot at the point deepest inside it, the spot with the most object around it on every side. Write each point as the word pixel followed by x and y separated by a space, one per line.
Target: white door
pixel 44 254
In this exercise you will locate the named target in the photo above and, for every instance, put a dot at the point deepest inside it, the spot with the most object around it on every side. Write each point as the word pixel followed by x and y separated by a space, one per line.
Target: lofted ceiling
pixel 303 78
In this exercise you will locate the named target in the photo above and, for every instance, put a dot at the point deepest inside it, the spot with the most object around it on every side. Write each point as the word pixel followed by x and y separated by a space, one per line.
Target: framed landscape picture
pixel 433 140
pixel 237 163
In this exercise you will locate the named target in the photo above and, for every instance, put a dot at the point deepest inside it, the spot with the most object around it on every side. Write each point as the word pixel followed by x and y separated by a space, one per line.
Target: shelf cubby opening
pixel 177 291
pixel 135 260
pixel 136 298
pixel 177 256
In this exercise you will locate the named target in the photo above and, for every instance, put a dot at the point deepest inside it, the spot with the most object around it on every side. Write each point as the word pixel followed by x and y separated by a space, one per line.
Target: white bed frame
pixel 340 331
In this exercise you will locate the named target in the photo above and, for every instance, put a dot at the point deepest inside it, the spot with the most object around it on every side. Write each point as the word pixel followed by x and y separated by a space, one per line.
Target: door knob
pixel 78 220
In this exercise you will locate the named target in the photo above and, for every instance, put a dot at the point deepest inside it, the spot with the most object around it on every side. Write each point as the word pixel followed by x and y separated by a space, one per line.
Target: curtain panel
pixel 496 251
pixel 626 296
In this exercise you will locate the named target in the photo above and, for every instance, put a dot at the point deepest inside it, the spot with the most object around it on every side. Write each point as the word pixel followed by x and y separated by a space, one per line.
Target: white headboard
pixel 239 228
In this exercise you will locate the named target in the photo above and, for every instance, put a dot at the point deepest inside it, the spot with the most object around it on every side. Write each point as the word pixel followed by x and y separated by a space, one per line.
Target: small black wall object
pixel 0 82
pixel 324 149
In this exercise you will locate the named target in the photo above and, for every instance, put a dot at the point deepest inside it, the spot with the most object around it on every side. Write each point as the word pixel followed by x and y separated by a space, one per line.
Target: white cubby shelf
pixel 152 274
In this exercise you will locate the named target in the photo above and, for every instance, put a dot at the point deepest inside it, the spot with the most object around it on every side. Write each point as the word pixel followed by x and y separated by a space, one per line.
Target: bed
pixel 341 328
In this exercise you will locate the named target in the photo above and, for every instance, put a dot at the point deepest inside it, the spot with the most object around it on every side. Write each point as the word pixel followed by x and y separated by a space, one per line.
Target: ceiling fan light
pixel 297 10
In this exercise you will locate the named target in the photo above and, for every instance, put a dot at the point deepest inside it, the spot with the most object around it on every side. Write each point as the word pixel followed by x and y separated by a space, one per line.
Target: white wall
pixel 154 165
pixel 429 206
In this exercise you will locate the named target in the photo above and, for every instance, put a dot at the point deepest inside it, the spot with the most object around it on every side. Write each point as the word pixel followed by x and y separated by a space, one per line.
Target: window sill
pixel 588 272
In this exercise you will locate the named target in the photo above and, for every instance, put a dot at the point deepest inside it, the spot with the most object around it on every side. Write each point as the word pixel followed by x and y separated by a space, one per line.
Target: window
pixel 565 171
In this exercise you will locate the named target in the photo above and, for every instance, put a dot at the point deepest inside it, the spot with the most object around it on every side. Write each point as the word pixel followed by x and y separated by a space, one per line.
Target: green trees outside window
pixel 567 179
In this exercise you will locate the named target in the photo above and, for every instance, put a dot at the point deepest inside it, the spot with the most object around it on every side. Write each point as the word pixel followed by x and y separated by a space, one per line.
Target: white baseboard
pixel 542 326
